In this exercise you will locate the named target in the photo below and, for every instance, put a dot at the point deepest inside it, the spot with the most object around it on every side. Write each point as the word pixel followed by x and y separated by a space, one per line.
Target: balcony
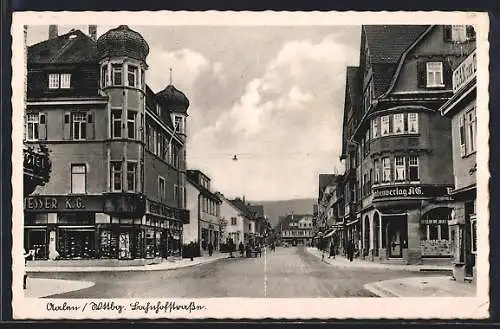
pixel 398 142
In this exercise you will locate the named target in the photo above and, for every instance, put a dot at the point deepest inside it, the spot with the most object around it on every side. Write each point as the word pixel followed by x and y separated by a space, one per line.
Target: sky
pixel 271 95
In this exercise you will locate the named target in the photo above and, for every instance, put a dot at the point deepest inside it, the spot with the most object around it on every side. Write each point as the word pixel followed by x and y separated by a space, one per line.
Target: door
pixel 124 245
pixel 394 240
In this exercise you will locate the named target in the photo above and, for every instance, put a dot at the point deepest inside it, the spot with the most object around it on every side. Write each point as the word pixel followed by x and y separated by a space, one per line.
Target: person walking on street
pixel 332 250
pixel 241 247
pixel 210 248
pixel 350 250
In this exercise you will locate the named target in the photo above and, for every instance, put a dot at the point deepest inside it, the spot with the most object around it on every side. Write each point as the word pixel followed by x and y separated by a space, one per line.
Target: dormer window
pixel 434 74
pixel 459 33
pixel 59 80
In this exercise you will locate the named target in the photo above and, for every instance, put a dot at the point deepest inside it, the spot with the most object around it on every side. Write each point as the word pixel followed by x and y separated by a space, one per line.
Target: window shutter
pixel 67 125
pixel 447 33
pixel 421 74
pixel 90 126
pixel 447 74
pixel 42 133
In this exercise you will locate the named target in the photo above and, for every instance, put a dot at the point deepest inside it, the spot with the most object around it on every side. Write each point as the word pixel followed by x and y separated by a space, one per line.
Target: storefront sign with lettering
pixel 407 191
pixel 54 203
pixel 465 72
pixel 160 209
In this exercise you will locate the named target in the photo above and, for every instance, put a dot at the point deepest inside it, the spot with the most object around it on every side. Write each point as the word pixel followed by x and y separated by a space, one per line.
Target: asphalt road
pixel 287 272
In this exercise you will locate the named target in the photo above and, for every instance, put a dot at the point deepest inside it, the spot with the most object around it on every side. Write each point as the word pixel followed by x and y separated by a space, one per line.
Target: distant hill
pixel 274 209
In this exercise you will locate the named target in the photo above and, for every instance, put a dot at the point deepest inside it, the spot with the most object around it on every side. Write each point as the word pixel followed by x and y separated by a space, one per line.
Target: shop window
pixel 78 178
pixel 413 171
pixel 131 124
pixel 116 123
pixel 131 176
pixel 386 167
pixel 132 72
pixel 116 176
pixel 399 165
pixel 116 71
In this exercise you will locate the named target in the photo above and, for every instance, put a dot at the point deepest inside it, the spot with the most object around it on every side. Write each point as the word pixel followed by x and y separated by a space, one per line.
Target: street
pixel 287 272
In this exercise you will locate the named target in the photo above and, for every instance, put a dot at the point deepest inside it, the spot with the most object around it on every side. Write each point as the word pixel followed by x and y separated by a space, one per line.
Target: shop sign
pixel 160 209
pixel 465 72
pixel 405 191
pixel 55 203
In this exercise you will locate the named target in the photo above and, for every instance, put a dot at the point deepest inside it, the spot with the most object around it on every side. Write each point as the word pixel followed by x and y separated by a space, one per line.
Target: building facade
pixel 205 217
pixel 117 149
pixel 234 219
pixel 297 229
pixel 401 144
pixel 461 109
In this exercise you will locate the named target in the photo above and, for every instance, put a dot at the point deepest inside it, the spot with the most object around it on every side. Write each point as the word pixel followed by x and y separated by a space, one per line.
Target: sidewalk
pixel 118 266
pixel 341 261
pixel 37 288
pixel 437 286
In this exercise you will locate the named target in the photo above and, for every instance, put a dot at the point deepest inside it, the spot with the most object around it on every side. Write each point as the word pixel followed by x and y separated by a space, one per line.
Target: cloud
pixel 285 126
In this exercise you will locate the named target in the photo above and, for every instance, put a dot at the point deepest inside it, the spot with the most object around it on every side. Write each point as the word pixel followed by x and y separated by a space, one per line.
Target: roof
pixel 353 84
pixel 292 218
pixel 258 210
pixel 386 44
pixel 203 189
pixel 70 48
pixel 245 208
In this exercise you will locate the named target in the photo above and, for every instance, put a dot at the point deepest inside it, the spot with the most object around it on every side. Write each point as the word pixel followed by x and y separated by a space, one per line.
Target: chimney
pixel 243 199
pixel 53 31
pixel 93 32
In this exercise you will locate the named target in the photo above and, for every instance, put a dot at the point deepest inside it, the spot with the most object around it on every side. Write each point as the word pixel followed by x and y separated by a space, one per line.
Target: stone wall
pixel 433 248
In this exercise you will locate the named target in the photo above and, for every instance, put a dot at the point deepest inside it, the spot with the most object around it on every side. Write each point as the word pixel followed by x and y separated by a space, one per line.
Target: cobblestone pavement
pixel 287 272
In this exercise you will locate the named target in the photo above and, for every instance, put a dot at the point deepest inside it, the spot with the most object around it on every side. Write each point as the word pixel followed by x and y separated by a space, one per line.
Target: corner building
pixel 404 161
pixel 117 150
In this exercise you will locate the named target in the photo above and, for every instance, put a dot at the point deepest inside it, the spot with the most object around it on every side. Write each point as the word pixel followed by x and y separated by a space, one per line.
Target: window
pixel 65 81
pixel 116 71
pixel 79 125
pixel 132 75
pixel 149 137
pixel 445 233
pixel 143 78
pixel 159 138
pixel 367 142
pixel 471 131
pixel 59 80
pixel 176 192
pixel 433 232
pixel 458 33
pixel 386 164
pixel 158 109
pixel 161 187
pixel 104 76
pixel 399 165
pixel 53 81
pixel 116 123
pixel 473 232
pixel 413 123
pixel 375 128
pixel 376 165
pixel 385 125
pixel 131 118
pixel 179 124
pixel 131 175
pixel 33 121
pixel 462 135
pixel 233 220
pixel 413 169
pixel 398 123
pixel 434 74
pixel 78 178
pixel 116 176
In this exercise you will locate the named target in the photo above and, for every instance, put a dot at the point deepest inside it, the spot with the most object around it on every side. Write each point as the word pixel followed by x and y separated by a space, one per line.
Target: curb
pixel 378 290
pixel 379 266
pixel 142 268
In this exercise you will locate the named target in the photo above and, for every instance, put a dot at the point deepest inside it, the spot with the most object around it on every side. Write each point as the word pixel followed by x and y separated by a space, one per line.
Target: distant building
pixel 204 226
pixel 234 219
pixel 461 108
pixel 249 220
pixel 296 229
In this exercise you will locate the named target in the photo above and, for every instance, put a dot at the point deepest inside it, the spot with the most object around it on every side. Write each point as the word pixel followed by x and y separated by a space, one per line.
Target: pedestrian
pixel 332 250
pixel 241 247
pixel 350 250
pixel 26 256
pixel 210 248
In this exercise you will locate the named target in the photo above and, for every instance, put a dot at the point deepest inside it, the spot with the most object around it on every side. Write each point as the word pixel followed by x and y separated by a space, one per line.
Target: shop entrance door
pixel 124 245
pixel 394 240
